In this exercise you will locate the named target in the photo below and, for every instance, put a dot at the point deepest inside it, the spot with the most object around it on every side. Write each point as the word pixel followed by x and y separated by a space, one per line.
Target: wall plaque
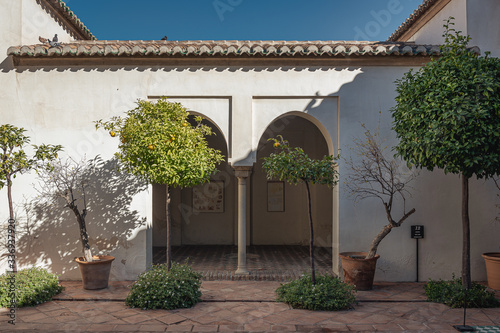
pixel 275 196
pixel 209 197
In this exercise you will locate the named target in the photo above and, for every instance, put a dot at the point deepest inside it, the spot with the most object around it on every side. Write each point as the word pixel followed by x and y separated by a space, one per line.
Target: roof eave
pixel 223 49
pixel 216 61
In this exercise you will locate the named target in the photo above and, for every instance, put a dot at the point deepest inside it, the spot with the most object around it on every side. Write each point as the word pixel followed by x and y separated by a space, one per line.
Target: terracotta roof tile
pixel 419 12
pixel 223 49
pixel 62 9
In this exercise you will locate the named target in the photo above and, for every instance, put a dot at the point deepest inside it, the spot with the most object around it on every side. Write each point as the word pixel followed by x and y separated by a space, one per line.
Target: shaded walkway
pixel 265 263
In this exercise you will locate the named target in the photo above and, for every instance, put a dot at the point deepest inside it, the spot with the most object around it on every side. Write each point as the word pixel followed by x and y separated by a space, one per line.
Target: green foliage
pixel 159 288
pixel 33 286
pixel 448 112
pixel 452 294
pixel 328 294
pixel 293 165
pixel 158 144
pixel 13 157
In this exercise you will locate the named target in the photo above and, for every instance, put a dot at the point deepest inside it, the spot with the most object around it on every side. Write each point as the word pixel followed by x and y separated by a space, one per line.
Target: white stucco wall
pixel 478 19
pixel 483 26
pixel 433 30
pixel 62 112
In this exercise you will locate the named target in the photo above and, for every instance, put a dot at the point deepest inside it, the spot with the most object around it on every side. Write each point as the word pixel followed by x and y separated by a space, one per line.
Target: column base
pixel 242 271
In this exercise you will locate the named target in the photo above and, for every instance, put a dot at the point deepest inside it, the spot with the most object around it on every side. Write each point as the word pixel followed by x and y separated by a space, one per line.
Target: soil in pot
pixel 492 261
pixel 358 270
pixel 95 274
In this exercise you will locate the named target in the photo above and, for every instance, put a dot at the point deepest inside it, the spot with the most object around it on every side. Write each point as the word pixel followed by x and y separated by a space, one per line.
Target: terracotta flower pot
pixel 358 270
pixel 95 274
pixel 492 261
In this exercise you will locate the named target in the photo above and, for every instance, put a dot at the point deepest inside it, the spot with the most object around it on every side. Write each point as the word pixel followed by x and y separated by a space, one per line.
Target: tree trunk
pixel 311 241
pixel 84 237
pixel 466 274
pixel 374 246
pixel 386 230
pixel 169 246
pixel 11 219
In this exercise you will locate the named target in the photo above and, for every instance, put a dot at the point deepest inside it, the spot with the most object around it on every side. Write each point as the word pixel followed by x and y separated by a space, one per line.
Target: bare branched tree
pixel 371 174
pixel 68 180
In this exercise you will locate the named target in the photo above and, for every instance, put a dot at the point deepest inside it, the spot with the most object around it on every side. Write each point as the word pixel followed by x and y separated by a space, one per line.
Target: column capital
pixel 242 171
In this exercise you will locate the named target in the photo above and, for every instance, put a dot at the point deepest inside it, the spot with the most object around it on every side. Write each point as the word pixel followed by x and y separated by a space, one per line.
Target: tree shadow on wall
pixel 50 236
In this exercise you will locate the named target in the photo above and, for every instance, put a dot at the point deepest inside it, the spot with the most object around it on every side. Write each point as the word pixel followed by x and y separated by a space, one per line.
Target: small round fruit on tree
pixel 277 144
pixel 184 124
pixel 151 147
pixel 113 134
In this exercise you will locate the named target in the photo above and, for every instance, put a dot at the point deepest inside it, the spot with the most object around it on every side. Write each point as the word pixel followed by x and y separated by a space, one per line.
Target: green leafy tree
pixel 294 166
pixel 159 145
pixel 14 160
pixel 447 116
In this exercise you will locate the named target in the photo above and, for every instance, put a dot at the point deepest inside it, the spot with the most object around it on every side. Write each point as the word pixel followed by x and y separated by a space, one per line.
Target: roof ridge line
pixel 71 21
pixel 418 13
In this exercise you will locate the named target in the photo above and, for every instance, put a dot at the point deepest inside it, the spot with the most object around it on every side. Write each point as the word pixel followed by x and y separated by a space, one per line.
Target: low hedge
pixel 159 288
pixel 329 294
pixel 32 286
pixel 451 293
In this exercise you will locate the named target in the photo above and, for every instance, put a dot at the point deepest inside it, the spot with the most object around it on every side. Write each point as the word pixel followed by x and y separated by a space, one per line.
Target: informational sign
pixel 417 231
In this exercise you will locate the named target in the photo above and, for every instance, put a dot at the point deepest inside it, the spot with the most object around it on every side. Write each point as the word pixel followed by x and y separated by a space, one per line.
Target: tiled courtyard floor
pixel 234 304
pixel 243 306
pixel 264 262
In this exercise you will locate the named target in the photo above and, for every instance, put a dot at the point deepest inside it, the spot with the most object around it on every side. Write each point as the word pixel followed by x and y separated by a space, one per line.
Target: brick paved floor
pixel 244 306
pixel 230 305
pixel 268 263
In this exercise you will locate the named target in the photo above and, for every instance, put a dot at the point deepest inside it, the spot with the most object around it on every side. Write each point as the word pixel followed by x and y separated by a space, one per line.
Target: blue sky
pixel 243 19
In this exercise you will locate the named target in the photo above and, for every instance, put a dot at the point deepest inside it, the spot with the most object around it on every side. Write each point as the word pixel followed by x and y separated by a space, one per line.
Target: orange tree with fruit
pixel 159 145
pixel 294 166
pixel 14 160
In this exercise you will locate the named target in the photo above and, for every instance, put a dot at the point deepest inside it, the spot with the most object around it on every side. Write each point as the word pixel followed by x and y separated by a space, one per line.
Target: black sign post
pixel 417 232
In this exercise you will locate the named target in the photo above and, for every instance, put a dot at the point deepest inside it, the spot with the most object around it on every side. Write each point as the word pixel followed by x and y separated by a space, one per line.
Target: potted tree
pixel 68 180
pixel 372 174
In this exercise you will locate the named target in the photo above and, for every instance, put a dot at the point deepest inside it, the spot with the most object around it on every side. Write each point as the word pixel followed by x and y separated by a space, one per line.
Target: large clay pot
pixel 492 261
pixel 358 270
pixel 95 274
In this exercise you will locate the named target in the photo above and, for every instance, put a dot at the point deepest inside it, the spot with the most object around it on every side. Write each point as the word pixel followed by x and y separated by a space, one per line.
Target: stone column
pixel 242 173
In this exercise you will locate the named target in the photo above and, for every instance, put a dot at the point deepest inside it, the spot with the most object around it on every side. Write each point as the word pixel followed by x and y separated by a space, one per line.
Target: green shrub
pixel 329 293
pixel 159 289
pixel 452 294
pixel 33 286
